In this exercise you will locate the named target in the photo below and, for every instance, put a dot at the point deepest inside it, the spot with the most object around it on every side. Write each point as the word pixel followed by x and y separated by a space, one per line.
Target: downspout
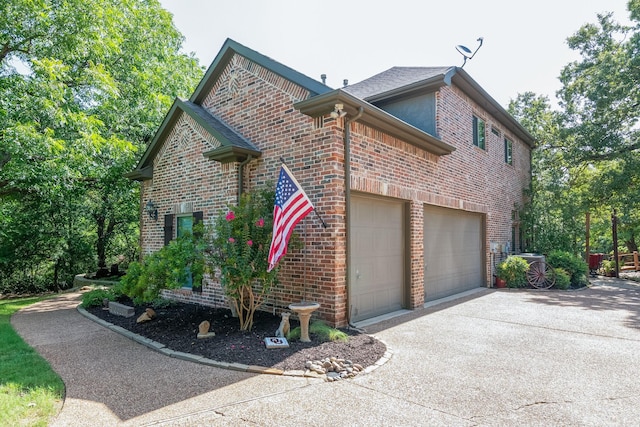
pixel 347 196
pixel 241 175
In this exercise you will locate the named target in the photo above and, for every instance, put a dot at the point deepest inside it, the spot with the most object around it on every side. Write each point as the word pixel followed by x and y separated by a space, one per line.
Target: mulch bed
pixel 176 326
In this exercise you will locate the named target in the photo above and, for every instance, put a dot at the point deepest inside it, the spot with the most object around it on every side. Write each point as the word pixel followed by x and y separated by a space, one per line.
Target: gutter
pixel 347 193
pixel 241 176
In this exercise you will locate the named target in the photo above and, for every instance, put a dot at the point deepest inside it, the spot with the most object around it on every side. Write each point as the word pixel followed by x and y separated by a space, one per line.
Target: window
pixel 183 224
pixel 478 132
pixel 508 150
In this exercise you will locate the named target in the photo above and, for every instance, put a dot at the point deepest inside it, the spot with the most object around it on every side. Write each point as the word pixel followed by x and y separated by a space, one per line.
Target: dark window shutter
pixel 197 219
pixel 168 228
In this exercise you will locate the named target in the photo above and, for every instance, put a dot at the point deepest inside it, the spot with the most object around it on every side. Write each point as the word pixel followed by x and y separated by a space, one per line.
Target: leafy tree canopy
pixel 84 84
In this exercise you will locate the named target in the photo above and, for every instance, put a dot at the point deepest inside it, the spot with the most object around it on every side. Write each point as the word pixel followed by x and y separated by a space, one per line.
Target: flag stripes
pixel 291 206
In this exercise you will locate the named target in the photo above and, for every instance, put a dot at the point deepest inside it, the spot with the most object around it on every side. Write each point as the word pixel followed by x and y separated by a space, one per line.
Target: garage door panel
pixel 377 257
pixel 453 252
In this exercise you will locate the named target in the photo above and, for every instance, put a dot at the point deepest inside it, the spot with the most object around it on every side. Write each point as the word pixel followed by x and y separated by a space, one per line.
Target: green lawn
pixel 31 392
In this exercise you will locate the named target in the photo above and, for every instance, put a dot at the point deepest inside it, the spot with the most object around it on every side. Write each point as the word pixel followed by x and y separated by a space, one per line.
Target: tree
pixel 84 85
pixel 588 156
pixel 601 101
pixel 549 217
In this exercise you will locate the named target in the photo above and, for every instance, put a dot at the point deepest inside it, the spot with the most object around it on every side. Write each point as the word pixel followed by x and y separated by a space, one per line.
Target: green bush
pixel 608 267
pixel 319 328
pixel 572 264
pixel 563 279
pixel 160 302
pixel 165 269
pixel 96 297
pixel 513 271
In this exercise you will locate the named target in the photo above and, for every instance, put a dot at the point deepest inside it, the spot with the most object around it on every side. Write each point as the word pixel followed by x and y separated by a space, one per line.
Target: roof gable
pixel 233 146
pixel 398 82
pixel 399 79
pixel 229 48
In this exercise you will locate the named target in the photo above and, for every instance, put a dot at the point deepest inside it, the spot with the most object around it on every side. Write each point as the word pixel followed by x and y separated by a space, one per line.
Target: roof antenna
pixel 466 52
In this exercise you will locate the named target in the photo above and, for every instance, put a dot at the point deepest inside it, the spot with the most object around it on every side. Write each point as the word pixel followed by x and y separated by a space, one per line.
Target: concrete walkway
pixel 498 357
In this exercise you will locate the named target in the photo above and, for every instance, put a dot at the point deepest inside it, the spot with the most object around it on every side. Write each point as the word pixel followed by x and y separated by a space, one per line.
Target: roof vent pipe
pixel 324 78
pixel 345 82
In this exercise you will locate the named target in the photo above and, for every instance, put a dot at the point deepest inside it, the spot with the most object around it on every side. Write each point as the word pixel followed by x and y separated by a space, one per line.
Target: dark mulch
pixel 176 327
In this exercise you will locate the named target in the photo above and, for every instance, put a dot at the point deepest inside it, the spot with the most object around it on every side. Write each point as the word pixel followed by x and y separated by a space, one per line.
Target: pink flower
pixel 232 240
pixel 230 216
pixel 260 223
pixel 250 242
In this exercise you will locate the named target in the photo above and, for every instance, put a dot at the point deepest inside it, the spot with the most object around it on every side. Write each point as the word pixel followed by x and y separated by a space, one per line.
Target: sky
pixel 524 47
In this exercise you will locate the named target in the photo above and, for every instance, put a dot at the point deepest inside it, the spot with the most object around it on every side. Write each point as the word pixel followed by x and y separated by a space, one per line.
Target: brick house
pixel 435 170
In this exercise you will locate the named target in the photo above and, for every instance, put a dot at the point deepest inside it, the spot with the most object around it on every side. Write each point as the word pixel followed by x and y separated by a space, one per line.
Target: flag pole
pixel 314 208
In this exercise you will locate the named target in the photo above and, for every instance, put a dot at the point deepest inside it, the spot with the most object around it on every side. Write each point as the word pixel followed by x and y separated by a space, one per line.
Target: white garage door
pixel 377 257
pixel 453 252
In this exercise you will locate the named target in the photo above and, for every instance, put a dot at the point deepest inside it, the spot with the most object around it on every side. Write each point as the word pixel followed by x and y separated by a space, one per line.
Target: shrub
pixel 240 242
pixel 160 302
pixel 563 279
pixel 513 271
pixel 572 264
pixel 165 269
pixel 96 297
pixel 608 267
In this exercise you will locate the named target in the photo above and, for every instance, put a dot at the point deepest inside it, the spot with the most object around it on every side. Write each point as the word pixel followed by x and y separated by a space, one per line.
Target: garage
pixel 453 252
pixel 377 257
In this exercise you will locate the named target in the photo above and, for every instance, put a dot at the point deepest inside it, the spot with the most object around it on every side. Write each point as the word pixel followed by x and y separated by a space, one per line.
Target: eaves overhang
pixel 469 86
pixel 233 146
pixel 229 154
pixel 429 85
pixel 373 117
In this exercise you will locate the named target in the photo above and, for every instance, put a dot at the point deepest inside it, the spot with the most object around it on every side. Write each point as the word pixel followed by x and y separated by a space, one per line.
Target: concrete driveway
pixel 497 357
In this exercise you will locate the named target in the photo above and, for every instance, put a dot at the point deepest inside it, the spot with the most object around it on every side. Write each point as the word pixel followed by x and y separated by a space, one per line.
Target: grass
pixel 31 392
pixel 322 330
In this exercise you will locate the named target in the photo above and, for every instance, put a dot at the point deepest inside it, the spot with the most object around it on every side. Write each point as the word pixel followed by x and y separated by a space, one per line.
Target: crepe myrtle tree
pixel 238 252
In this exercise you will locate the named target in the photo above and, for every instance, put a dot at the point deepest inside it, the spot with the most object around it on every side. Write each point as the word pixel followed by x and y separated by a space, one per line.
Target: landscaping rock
pixel 335 368
pixel 203 330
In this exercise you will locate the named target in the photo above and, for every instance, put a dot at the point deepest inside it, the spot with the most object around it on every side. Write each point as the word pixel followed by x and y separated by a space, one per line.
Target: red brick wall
pixel 259 105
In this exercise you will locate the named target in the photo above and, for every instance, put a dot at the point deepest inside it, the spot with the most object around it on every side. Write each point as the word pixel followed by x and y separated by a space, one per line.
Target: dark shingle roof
pixel 216 127
pixel 394 78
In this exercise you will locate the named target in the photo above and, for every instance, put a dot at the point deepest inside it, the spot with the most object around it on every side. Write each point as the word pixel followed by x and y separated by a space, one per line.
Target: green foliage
pixel 160 302
pixel 571 264
pixel 608 267
pixel 167 268
pixel 321 330
pixel 96 297
pixel 84 84
pixel 588 152
pixel 563 279
pixel 513 271
pixel 240 242
pixel 26 377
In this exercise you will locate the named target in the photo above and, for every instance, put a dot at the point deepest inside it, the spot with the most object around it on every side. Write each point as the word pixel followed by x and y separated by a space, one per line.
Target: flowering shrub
pixel 239 250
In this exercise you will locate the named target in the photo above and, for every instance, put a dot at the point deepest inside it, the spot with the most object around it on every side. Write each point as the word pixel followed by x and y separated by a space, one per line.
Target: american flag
pixel 292 205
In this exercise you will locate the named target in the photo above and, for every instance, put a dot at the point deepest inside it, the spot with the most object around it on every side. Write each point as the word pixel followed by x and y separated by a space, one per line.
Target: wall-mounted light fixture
pixel 152 210
pixel 338 111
